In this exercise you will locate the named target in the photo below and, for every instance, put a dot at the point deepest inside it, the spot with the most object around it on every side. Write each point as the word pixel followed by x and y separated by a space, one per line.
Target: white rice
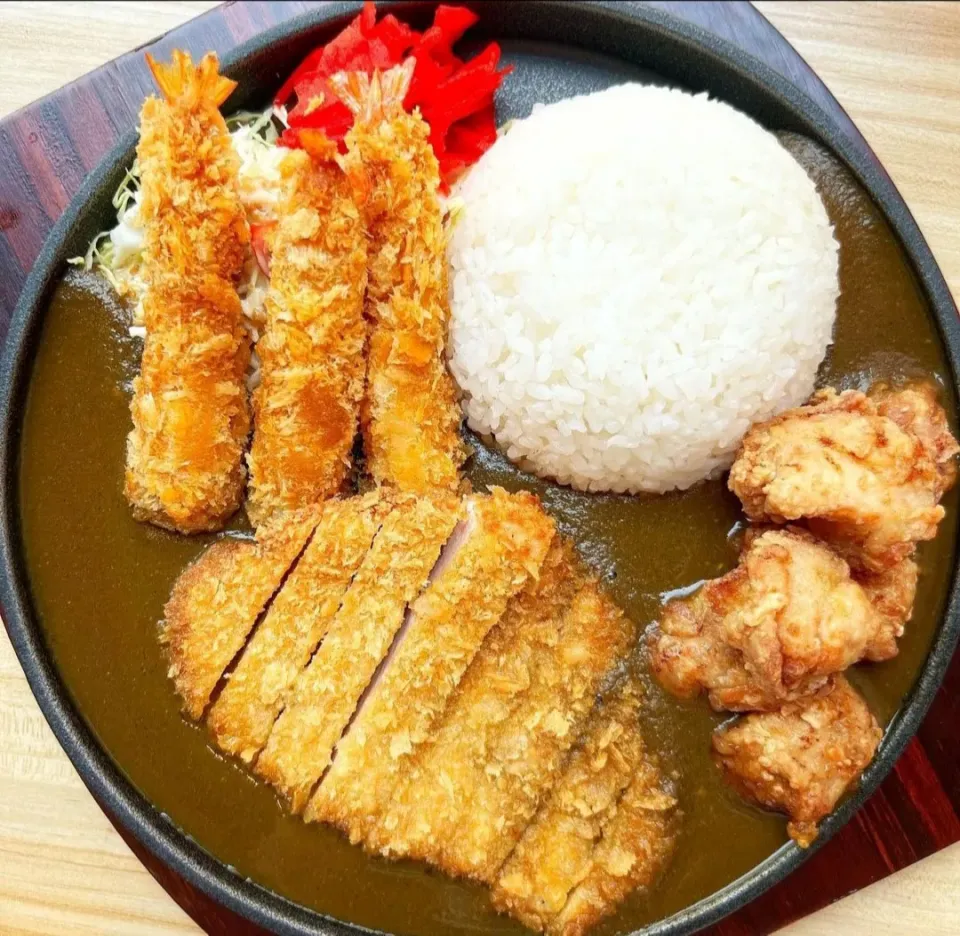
pixel 637 276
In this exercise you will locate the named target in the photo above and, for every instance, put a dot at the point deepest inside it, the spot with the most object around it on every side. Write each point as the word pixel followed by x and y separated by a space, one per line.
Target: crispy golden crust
pixel 856 477
pixel 326 693
pixel 564 845
pixel 801 759
pixel 216 602
pixel 410 414
pixel 917 410
pixel 433 805
pixel 189 407
pixel 312 366
pixel 636 845
pixel 508 541
pixel 241 718
pixel 190 413
pixel 892 594
pixel 526 751
pixel 772 630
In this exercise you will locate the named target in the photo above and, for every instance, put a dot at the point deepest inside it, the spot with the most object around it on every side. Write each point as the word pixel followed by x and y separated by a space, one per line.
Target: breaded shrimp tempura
pixel 190 413
pixel 410 415
pixel 306 409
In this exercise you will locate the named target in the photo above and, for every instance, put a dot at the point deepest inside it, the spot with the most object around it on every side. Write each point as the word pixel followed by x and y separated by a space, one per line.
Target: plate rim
pixel 106 780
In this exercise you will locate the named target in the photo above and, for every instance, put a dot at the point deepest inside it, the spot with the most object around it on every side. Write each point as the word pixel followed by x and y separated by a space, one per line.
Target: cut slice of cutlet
pixel 524 755
pixel 636 845
pixel 433 803
pixel 217 600
pixel 299 616
pixel 326 693
pixel 588 833
pixel 505 540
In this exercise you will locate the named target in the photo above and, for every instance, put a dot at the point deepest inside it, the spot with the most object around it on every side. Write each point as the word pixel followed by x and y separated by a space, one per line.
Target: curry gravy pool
pixel 99 581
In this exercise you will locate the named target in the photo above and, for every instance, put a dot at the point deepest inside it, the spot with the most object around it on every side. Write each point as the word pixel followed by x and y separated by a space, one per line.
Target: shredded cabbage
pixel 116 254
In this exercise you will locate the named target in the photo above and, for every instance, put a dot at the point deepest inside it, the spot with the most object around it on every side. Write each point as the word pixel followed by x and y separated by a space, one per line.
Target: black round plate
pixel 559 49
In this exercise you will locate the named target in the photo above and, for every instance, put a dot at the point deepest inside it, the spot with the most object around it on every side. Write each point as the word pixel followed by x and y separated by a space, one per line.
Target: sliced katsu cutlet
pixel 504 541
pixel 299 616
pixel 217 600
pixel 532 746
pixel 431 806
pixel 325 695
pixel 580 842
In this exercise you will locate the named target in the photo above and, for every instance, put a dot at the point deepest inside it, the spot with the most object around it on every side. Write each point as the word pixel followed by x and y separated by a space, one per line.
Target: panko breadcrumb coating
pixel 326 693
pixel 496 799
pixel 864 474
pixel 892 594
pixel 306 408
pixel 241 718
pixel 803 758
pixel 433 806
pixel 411 417
pixel 506 540
pixel 772 630
pixel 216 601
pixel 190 413
pixel 564 848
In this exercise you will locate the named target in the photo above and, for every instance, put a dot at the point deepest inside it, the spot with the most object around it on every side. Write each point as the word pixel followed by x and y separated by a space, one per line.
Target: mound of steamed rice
pixel 637 276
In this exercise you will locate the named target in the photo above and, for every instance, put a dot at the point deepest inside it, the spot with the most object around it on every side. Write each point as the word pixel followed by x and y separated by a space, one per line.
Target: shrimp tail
pixel 376 98
pixel 318 145
pixel 182 82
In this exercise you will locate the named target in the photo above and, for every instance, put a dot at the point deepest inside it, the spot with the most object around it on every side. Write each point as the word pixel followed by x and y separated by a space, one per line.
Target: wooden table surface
pixel 896 69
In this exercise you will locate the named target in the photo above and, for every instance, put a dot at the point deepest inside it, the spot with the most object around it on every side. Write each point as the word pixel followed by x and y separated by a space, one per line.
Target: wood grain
pixel 896 69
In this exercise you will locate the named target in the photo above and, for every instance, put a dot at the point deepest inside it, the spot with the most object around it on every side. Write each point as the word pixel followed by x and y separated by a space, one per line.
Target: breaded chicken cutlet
pixel 298 619
pixel 772 630
pixel 306 407
pixel 324 697
pixel 217 600
pixel 863 472
pixel 604 829
pixel 417 671
pixel 500 748
pixel 184 462
pixel 410 416
pixel 502 543
pixel 801 759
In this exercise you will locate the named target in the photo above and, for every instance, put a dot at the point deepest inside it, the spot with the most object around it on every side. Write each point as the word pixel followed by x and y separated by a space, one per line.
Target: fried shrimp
pixel 190 412
pixel 410 414
pixel 306 408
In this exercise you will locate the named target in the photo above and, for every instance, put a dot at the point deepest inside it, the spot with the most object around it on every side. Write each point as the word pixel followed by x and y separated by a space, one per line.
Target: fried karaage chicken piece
pixel 772 630
pixel 589 832
pixel 299 616
pixel 190 412
pixel 504 542
pixel 862 480
pixel 892 594
pixel 217 600
pixel 325 695
pixel 803 758
pixel 916 409
pixel 312 366
pixel 410 416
